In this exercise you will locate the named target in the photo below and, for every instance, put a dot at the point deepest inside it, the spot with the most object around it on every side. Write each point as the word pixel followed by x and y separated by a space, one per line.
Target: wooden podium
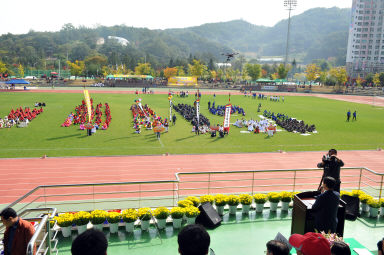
pixel 303 219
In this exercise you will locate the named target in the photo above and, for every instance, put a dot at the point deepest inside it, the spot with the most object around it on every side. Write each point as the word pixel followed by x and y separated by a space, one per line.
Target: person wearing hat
pixel 310 244
pixel 326 206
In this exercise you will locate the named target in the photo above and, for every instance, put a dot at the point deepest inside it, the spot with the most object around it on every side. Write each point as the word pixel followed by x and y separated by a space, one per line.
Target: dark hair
pixel 90 242
pixel 193 240
pixel 7 213
pixel 277 248
pixel 340 248
pixel 330 182
pixel 332 152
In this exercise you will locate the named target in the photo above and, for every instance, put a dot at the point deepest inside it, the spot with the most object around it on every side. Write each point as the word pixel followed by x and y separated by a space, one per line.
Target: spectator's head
pixel 332 152
pixel 329 183
pixel 277 248
pixel 90 242
pixel 340 248
pixel 310 244
pixel 8 217
pixel 193 240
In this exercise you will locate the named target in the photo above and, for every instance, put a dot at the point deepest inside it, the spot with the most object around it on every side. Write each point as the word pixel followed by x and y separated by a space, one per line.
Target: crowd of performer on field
pixel 145 117
pixel 289 124
pixel 220 109
pixel 255 126
pixel 80 117
pixel 20 117
pixel 189 113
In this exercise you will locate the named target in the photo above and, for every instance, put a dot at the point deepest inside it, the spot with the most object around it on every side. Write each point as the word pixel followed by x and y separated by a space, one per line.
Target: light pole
pixel 289 5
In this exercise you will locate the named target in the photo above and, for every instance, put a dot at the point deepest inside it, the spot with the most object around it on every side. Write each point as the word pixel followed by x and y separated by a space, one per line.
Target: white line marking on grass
pixel 162 145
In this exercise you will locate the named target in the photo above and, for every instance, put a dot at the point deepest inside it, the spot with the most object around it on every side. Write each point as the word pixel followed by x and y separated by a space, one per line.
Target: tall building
pixel 366 38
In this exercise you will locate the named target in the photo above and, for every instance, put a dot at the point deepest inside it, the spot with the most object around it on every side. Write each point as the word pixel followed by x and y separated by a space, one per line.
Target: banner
pixel 88 104
pixel 227 116
pixel 182 81
pixel 170 108
pixel 198 111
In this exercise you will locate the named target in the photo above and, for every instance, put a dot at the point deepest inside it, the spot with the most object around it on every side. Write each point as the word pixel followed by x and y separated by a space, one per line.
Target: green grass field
pixel 45 136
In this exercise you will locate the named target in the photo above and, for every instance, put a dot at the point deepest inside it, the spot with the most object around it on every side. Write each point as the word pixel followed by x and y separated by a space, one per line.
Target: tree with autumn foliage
pixel 77 68
pixel 282 71
pixel 143 69
pixel 340 75
pixel 197 68
pixel 21 71
pixel 376 79
pixel 170 72
pixel 253 70
pixel 312 72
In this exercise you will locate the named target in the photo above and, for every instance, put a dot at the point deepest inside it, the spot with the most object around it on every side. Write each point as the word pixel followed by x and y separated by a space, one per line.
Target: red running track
pixel 21 175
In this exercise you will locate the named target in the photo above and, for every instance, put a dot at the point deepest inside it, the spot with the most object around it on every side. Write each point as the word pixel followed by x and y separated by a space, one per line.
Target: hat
pixel 311 244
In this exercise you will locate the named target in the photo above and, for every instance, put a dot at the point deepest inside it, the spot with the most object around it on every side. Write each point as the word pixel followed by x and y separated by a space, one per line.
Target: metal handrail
pixel 178 180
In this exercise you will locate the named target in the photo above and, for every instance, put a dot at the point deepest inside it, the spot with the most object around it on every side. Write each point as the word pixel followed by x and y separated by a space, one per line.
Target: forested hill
pixel 316 33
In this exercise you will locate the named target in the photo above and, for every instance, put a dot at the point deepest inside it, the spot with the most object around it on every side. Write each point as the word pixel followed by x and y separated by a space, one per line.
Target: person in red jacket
pixel 18 233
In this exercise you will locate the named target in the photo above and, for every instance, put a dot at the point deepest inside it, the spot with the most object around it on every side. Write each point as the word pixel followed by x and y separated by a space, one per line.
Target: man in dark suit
pixel 326 206
pixel 331 164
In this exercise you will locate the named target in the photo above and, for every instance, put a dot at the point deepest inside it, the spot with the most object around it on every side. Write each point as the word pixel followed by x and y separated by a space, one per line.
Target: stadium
pixel 51 169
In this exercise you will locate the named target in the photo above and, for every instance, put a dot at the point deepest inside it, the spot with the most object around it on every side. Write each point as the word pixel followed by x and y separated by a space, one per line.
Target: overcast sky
pixel 20 16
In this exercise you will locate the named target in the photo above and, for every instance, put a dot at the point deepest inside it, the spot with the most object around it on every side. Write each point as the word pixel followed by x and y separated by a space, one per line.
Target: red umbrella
pixel 54 73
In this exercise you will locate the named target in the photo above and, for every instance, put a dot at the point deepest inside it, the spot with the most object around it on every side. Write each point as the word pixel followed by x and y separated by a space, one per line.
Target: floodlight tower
pixel 289 5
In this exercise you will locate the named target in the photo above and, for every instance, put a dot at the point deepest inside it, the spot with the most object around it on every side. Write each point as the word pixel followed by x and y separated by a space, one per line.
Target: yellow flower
pixel 195 200
pixel 233 200
pixel 185 203
pixel 64 220
pixel 206 198
pixel 82 218
pixel 260 198
pixel 161 213
pixel 364 198
pixel 129 215
pixel 113 217
pixel 374 203
pixel 192 211
pixel 286 196
pixel 145 213
pixel 245 199
pixel 98 216
pixel 221 200
pixel 177 212
pixel 274 197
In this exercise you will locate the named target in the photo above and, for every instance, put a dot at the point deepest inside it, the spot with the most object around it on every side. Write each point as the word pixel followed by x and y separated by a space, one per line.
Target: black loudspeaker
pixel 352 207
pixel 208 216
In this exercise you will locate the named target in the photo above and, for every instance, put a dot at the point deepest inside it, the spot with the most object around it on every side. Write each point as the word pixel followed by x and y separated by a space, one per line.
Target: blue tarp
pixel 17 81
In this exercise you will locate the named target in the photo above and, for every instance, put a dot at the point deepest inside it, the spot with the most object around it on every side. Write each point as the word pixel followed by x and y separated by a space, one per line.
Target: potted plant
pixel 207 199
pixel 364 200
pixel 260 200
pixel 220 201
pixel 195 200
pixel 98 217
pixel 161 214
pixel 185 203
pixel 286 198
pixel 381 201
pixel 129 216
pixel 177 214
pixel 274 199
pixel 357 193
pixel 113 219
pixel 233 202
pixel 191 212
pixel 65 222
pixel 145 214
pixel 81 219
pixel 245 201
pixel 374 206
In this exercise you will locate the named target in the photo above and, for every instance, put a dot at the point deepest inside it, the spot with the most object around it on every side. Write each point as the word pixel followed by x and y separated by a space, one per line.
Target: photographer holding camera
pixel 331 164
